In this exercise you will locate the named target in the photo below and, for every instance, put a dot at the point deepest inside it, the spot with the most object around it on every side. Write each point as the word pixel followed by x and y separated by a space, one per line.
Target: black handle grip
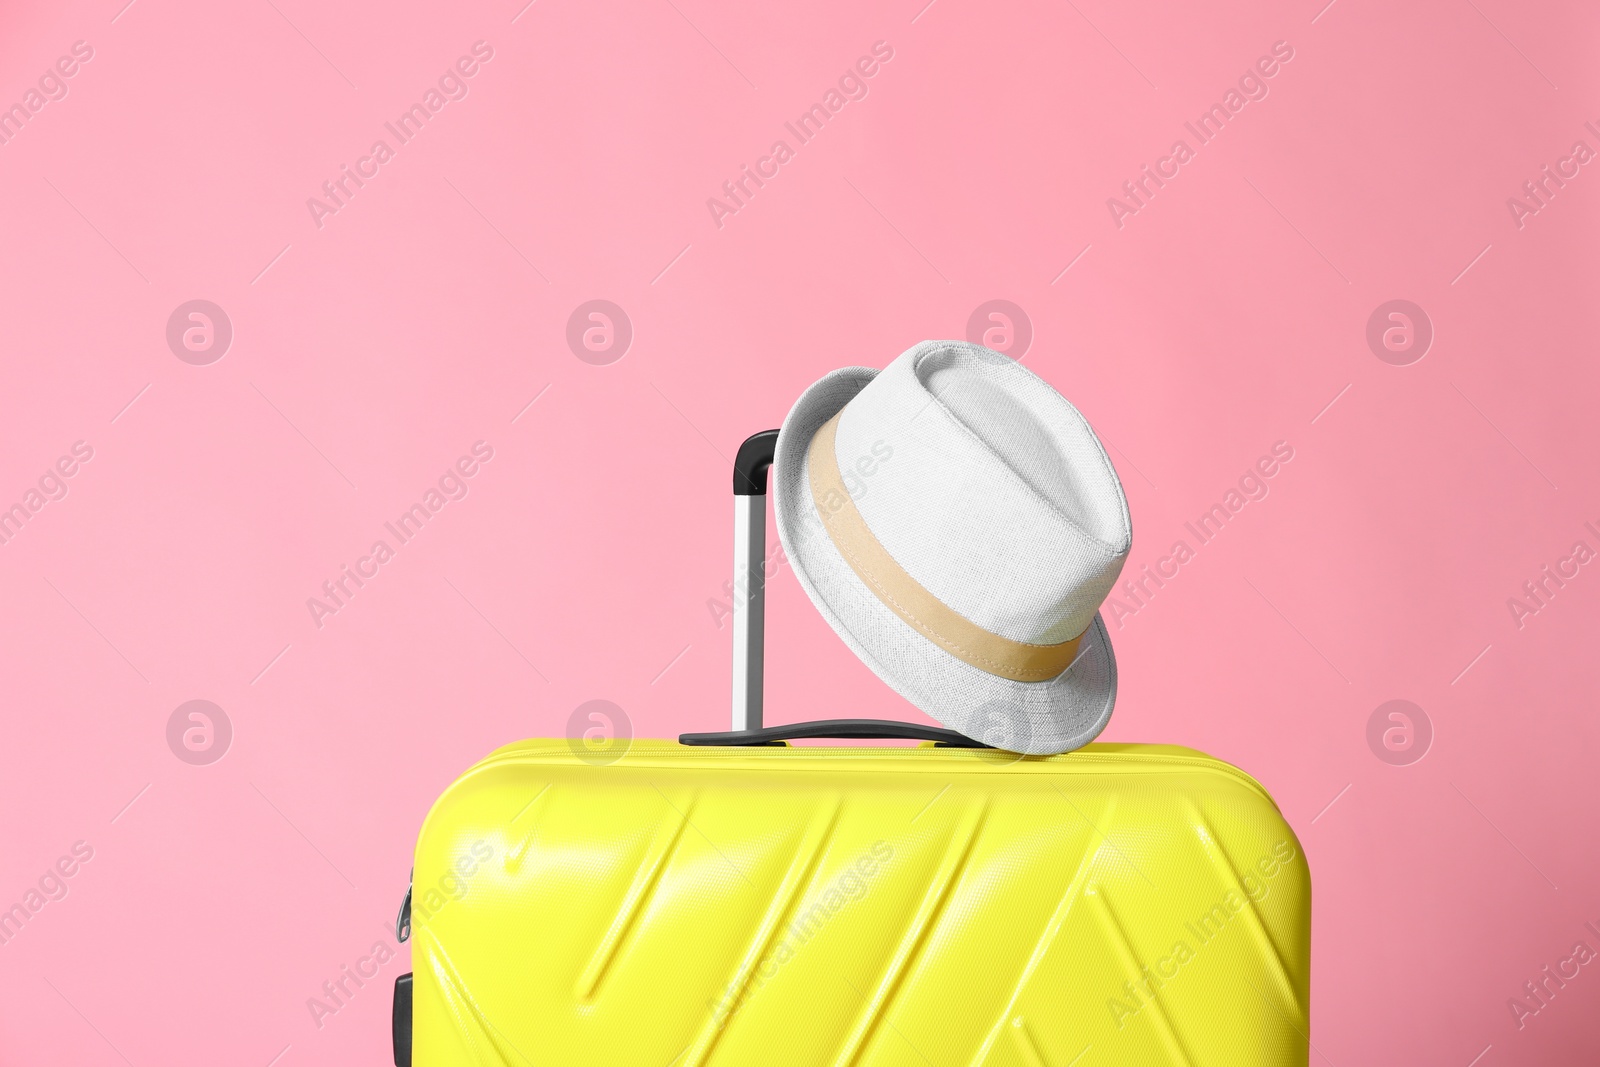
pixel 752 462
pixel 843 728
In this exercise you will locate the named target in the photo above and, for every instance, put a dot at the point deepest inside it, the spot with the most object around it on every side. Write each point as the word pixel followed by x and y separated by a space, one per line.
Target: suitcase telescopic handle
pixel 750 468
pixel 840 728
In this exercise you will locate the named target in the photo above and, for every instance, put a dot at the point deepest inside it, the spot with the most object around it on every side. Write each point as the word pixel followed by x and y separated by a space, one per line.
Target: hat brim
pixel 1035 718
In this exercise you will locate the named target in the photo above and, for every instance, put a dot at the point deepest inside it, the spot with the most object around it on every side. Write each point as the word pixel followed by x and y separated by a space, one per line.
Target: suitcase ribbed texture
pixel 684 907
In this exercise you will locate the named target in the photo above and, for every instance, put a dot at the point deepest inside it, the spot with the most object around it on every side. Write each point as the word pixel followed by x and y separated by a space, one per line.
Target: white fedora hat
pixel 958 524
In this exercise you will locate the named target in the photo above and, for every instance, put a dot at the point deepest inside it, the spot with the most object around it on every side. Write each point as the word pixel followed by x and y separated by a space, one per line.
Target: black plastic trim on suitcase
pixel 751 463
pixel 842 728
pixel 400 1022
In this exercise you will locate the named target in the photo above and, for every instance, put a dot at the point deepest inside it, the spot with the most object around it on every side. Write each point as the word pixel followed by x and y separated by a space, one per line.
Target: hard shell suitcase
pixel 729 900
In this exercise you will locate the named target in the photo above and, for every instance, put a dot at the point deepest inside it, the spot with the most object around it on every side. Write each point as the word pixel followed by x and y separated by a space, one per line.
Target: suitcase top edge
pixel 1095 758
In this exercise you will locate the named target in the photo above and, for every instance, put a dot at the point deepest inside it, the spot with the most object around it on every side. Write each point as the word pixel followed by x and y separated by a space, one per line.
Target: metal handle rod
pixel 749 608
pixel 750 468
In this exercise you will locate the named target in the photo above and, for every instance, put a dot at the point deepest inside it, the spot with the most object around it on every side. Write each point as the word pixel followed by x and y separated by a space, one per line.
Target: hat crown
pixel 1034 430
pixel 988 488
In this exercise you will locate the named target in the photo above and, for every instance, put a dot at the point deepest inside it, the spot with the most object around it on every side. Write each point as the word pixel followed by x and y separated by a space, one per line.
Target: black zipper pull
pixel 402 922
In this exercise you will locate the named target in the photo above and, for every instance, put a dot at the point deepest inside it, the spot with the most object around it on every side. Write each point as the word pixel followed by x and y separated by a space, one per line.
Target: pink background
pixel 1227 314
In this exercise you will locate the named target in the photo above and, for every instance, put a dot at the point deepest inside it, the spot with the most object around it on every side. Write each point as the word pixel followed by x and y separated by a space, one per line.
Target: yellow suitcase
pixel 736 901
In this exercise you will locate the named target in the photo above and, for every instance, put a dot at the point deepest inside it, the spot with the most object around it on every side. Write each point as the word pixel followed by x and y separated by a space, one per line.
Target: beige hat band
pixel 904 595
